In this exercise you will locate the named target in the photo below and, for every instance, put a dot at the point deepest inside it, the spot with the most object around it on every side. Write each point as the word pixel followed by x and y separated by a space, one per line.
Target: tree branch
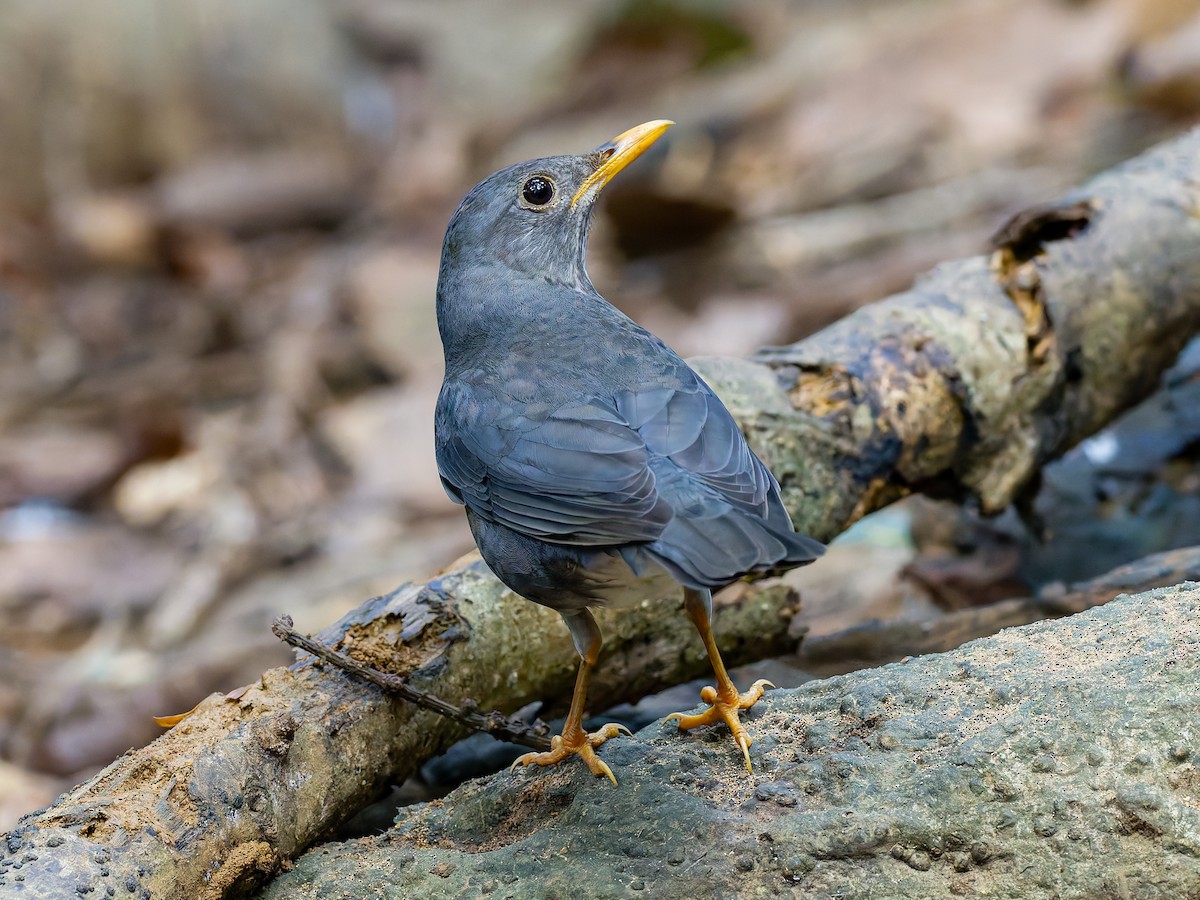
pixel 877 643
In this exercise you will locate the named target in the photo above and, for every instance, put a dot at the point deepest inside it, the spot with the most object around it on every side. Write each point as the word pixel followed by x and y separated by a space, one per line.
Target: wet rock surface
pixel 1058 759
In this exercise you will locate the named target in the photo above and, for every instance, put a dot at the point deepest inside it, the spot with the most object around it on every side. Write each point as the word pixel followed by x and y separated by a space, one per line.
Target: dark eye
pixel 538 190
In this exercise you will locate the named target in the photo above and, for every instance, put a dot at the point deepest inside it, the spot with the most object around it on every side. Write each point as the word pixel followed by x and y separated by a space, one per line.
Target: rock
pixel 1050 760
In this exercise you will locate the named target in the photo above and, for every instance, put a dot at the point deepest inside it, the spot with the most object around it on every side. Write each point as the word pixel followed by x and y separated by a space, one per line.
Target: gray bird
pixel 588 455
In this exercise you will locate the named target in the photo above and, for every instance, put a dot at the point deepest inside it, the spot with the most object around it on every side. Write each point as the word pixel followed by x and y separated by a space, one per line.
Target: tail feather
pixel 714 550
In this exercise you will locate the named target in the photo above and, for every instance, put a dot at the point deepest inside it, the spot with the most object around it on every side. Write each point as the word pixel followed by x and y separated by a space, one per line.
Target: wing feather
pixel 577 474
pixel 664 467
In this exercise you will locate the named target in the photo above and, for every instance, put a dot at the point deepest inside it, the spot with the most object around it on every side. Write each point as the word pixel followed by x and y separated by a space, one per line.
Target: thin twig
pixel 497 725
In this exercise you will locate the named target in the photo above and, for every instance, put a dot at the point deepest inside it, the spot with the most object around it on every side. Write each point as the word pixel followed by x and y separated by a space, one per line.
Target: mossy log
pixel 962 386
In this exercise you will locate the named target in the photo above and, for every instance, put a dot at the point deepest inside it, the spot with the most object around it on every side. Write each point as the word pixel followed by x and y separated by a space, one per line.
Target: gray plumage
pixel 584 448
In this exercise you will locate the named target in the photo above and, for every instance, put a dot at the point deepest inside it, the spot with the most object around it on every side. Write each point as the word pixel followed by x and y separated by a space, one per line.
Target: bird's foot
pixel 575 742
pixel 724 707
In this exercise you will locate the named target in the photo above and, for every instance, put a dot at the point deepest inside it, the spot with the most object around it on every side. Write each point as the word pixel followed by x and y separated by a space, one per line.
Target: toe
pixel 597 765
pixel 687 722
pixel 611 730
pixel 752 696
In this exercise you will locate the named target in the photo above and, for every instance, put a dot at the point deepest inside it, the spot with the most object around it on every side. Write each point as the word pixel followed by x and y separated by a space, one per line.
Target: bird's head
pixel 533 217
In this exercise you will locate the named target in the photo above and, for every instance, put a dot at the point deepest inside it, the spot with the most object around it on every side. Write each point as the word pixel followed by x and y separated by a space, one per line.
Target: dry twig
pixel 494 723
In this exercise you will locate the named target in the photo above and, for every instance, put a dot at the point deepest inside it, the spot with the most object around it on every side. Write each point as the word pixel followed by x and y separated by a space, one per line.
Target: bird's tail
pixel 714 550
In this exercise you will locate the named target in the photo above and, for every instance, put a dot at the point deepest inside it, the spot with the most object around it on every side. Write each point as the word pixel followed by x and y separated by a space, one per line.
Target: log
pixel 962 386
pixel 1054 760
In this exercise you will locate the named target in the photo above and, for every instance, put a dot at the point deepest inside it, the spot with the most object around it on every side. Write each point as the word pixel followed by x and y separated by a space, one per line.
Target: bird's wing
pixel 692 429
pixel 576 474
pixel 729 517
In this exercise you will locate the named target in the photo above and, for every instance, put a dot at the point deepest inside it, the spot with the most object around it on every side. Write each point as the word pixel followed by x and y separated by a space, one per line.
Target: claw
pixel 724 707
pixel 743 741
pixel 579 743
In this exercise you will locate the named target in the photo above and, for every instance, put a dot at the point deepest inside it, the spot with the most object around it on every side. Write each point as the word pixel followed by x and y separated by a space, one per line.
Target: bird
pixel 591 459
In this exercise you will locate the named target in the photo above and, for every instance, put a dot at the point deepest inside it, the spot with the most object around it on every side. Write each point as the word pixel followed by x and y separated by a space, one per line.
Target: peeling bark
pixel 962 386
pixel 988 367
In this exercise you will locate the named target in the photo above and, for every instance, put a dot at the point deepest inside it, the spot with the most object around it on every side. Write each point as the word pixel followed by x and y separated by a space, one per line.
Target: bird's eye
pixel 537 191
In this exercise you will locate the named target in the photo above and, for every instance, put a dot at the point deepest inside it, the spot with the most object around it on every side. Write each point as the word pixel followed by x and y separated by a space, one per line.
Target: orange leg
pixel 724 700
pixel 574 741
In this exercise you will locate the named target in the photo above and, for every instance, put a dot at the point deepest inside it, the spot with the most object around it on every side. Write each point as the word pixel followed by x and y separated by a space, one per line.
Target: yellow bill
pixel 622 150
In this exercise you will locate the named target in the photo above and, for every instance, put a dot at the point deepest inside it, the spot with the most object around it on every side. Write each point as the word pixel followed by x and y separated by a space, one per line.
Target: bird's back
pixel 573 426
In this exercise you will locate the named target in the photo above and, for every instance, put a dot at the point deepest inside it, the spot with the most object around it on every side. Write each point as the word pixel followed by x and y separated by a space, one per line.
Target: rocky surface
pixel 1054 760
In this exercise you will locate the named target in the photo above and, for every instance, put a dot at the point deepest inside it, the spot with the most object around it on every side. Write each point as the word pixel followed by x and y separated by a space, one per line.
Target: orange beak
pixel 621 150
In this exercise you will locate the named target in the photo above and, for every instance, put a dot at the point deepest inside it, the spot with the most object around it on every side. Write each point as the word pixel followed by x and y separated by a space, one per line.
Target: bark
pixel 989 367
pixel 964 386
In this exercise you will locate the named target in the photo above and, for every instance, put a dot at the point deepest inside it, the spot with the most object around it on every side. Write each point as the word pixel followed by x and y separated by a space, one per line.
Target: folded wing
pixel 729 518
pixel 666 468
pixel 577 474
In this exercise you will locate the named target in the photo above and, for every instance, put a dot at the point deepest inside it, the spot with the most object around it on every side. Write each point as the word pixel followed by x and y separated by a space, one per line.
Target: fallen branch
pixel 963 386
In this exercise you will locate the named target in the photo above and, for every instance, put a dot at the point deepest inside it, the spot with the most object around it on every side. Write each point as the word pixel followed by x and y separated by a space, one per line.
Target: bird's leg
pixel 724 700
pixel 574 741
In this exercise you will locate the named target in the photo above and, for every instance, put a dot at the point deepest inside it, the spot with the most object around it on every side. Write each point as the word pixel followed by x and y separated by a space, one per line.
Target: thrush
pixel 591 459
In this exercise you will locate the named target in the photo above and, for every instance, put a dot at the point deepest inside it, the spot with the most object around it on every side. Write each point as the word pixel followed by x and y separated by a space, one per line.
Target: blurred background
pixel 219 233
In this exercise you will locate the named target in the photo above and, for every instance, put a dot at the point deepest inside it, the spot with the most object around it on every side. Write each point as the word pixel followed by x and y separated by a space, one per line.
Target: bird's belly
pixel 607 580
pixel 563 577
